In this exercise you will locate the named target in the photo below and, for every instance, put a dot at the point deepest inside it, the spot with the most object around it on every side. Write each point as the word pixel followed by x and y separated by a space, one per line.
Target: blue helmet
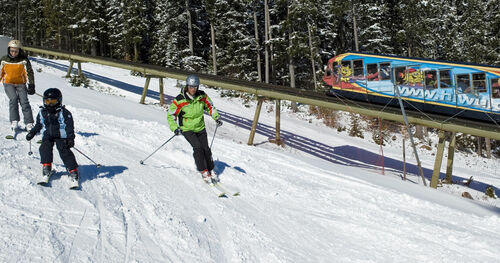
pixel 193 80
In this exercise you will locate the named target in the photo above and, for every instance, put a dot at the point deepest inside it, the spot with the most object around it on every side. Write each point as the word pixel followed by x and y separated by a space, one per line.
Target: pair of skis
pixel 221 191
pixel 44 181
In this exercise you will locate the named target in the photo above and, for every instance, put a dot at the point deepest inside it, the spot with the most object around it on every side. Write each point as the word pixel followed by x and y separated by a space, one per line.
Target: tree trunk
pixel 271 73
pixel 93 48
pixel 488 147
pixel 479 150
pixel 266 38
pixel 355 28
pixel 419 132
pixel 136 52
pixel 312 57
pixel 190 28
pixel 291 65
pixel 214 55
pixel 256 27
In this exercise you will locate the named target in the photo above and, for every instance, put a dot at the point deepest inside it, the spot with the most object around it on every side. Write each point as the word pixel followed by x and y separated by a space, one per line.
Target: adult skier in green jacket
pixel 186 117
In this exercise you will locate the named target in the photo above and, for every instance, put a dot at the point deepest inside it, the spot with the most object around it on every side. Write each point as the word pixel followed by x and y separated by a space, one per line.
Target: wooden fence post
pixel 255 120
pixel 80 69
pixel 439 160
pixel 70 68
pixel 145 90
pixel 162 96
pixel 451 155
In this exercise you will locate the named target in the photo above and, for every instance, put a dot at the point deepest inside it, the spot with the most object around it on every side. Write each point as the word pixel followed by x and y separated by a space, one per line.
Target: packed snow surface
pixel 293 207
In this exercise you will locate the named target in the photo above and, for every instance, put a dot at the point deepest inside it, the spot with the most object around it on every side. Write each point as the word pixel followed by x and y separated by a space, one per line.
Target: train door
pixel 353 76
pixel 378 77
pixel 480 90
pixel 345 74
pixel 409 80
pixel 446 92
pixel 495 94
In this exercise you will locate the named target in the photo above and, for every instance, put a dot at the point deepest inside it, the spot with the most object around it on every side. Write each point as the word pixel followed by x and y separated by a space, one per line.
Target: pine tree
pixel 7 19
pixel 374 35
pixel 234 39
pixel 134 27
pixel 170 34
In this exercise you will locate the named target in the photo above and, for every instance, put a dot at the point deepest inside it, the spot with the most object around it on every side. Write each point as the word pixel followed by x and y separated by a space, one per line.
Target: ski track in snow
pixel 292 207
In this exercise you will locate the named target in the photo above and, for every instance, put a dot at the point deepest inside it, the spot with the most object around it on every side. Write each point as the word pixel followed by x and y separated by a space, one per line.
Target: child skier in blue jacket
pixel 55 123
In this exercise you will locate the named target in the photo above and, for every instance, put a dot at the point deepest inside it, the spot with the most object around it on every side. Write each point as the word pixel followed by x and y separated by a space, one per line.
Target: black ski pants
pixel 65 153
pixel 201 152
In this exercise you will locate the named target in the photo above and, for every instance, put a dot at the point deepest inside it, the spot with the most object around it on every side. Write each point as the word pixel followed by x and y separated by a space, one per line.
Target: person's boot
pixel 215 176
pixel 74 177
pixel 46 173
pixel 13 126
pixel 207 177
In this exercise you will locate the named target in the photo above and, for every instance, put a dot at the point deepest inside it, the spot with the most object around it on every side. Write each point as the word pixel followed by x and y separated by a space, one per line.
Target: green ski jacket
pixel 187 113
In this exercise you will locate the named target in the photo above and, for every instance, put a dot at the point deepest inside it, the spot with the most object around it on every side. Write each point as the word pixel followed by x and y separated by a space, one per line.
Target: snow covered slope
pixel 293 207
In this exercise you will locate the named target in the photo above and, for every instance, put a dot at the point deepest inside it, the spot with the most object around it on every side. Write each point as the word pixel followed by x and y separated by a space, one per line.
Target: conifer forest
pixel 235 38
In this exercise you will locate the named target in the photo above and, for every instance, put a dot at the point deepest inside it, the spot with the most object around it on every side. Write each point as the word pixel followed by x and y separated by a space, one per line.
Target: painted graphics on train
pixel 438 83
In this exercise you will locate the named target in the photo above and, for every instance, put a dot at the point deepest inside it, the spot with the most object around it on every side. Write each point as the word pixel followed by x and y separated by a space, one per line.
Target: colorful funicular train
pixel 446 88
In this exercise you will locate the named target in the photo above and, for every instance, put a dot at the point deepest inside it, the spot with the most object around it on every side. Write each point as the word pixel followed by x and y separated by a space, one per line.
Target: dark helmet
pixel 52 98
pixel 193 80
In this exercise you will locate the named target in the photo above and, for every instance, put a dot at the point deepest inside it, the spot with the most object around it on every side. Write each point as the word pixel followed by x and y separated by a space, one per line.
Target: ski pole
pixel 216 126
pixel 142 161
pixel 98 165
pixel 30 152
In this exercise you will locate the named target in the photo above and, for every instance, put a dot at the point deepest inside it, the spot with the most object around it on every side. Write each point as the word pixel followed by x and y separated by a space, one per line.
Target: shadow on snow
pixel 345 155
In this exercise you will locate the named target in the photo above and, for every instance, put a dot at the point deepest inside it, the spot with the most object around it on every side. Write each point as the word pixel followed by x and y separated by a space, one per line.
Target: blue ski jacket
pixel 54 124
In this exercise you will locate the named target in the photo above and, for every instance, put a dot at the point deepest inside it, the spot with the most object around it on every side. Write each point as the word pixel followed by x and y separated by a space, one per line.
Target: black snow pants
pixel 202 153
pixel 65 153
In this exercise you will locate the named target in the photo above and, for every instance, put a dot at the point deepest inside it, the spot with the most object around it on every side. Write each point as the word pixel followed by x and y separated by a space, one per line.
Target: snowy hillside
pixel 320 199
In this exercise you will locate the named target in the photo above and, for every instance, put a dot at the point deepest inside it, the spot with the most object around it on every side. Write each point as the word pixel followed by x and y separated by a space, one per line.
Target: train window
pixel 358 68
pixel 399 74
pixel 385 71
pixel 479 82
pixel 495 88
pixel 445 78
pixel 346 69
pixel 430 79
pixel 371 72
pixel 463 83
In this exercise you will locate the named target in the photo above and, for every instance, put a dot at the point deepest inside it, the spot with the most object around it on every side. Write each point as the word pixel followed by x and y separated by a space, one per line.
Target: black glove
pixel 30 136
pixel 31 89
pixel 69 143
pixel 219 122
pixel 178 131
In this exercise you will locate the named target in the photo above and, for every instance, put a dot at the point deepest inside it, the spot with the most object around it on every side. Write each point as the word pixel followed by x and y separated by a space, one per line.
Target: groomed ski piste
pixel 294 206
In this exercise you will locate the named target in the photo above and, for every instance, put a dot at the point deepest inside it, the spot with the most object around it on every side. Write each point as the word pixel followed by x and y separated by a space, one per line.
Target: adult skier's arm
pixel 29 72
pixel 172 116
pixel 210 108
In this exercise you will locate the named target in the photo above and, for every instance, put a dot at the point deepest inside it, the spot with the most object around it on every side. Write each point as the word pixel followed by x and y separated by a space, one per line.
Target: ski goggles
pixel 50 102
pixel 192 87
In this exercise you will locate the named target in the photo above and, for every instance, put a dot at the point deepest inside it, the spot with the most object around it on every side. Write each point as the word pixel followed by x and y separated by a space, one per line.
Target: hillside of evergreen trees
pixel 303 33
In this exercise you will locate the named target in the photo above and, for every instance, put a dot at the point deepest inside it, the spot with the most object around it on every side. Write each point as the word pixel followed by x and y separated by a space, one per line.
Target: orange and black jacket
pixel 16 70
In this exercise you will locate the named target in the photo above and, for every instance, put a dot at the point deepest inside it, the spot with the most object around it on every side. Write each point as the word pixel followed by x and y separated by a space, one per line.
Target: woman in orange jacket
pixel 18 81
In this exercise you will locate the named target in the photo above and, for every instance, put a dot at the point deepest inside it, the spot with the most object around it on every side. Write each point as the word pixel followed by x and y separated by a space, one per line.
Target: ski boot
pixel 13 126
pixel 46 173
pixel 74 178
pixel 13 130
pixel 207 177
pixel 215 176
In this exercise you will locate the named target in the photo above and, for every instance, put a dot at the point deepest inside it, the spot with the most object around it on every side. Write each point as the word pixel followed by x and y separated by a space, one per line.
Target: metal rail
pixel 476 128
